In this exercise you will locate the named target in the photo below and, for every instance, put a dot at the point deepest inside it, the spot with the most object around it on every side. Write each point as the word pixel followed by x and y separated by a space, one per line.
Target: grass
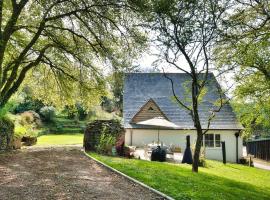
pixel 60 139
pixel 217 181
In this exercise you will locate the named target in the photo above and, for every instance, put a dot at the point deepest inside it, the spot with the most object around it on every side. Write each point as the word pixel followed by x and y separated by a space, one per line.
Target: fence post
pixel 223 152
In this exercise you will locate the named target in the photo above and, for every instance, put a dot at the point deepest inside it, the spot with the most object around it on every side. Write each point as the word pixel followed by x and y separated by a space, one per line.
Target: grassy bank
pixel 217 181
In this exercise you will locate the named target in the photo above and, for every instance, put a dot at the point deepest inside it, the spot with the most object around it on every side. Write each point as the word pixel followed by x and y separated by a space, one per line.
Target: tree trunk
pixel 196 157
pixel 197 124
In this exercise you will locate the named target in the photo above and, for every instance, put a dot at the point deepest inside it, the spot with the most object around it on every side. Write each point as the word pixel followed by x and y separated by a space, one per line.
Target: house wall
pixel 141 137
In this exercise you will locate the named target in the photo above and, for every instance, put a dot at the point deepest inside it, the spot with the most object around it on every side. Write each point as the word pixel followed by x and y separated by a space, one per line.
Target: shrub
pixel 95 129
pixel 7 108
pixel 28 104
pixel 6 133
pixel 106 142
pixel 71 111
pixel 27 118
pixel 48 113
pixel 82 113
pixel 202 161
pixel 19 131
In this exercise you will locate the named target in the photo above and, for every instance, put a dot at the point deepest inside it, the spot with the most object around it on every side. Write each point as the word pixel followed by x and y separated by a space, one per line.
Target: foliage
pixel 20 131
pixel 48 113
pixel 220 181
pixel 76 110
pixel 27 105
pixel 243 51
pixel 71 111
pixel 186 31
pixel 102 131
pixel 107 104
pixel 82 112
pixel 6 133
pixel 106 142
pixel 254 117
pixel 7 108
pixel 62 53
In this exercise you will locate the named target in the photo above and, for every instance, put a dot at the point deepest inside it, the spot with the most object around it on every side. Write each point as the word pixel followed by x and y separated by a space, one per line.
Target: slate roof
pixel 140 87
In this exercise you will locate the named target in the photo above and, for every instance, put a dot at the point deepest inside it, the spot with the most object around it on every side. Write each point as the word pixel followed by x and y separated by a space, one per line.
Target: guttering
pixel 237 134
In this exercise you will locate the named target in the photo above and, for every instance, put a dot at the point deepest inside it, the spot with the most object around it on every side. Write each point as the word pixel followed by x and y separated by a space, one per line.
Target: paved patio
pixel 142 153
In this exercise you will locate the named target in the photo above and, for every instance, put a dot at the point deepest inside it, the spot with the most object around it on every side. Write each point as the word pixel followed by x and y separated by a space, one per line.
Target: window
pixel 209 140
pixel 150 108
pixel 212 140
pixel 217 140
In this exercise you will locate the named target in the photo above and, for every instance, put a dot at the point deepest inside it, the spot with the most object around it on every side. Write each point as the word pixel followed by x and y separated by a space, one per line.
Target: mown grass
pixel 60 139
pixel 217 181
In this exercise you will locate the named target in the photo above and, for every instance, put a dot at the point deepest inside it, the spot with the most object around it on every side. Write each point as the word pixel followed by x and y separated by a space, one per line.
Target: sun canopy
pixel 158 122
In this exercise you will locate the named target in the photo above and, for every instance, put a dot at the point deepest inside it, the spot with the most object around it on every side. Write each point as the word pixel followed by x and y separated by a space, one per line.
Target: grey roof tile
pixel 140 87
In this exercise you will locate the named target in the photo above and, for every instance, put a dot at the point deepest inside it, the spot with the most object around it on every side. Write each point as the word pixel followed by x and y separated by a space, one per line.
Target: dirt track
pixel 62 173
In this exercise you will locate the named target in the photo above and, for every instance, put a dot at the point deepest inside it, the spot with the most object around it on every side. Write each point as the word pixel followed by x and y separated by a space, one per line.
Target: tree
pixel 63 43
pixel 244 49
pixel 186 30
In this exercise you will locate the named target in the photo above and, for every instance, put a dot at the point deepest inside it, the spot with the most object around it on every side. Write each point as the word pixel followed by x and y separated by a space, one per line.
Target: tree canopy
pixel 244 48
pixel 61 47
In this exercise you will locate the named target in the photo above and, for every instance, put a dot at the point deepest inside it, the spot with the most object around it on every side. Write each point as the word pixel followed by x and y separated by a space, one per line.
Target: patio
pixel 145 154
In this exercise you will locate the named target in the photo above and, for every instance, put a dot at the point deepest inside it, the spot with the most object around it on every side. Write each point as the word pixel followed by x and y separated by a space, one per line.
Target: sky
pixel 147 64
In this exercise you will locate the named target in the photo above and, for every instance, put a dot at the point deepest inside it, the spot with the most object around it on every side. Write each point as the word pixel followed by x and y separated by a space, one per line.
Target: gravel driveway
pixel 62 173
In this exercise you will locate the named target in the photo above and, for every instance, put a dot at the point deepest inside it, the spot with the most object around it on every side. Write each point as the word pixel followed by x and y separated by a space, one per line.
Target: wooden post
pixel 131 136
pixel 236 136
pixel 223 152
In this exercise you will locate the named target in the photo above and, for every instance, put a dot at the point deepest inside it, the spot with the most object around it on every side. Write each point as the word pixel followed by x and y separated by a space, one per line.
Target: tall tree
pixel 62 40
pixel 244 49
pixel 186 30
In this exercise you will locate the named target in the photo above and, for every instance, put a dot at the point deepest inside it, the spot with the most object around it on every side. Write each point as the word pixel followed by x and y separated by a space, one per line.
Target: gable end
pixel 148 111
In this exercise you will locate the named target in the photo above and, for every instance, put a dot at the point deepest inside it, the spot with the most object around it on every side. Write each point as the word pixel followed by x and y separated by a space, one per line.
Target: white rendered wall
pixel 141 137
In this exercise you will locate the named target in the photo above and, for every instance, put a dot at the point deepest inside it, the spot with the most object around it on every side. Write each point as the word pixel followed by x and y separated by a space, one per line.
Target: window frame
pixel 214 141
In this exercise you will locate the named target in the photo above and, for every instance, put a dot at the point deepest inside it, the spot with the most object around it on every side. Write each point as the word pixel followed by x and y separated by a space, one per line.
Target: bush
pixel 47 113
pixel 106 142
pixel 82 113
pixel 158 154
pixel 95 129
pixel 19 131
pixel 70 111
pixel 28 104
pixel 6 133
pixel 27 118
pixel 202 161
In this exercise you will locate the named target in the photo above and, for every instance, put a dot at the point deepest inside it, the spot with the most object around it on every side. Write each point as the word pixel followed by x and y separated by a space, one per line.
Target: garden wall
pixel 94 130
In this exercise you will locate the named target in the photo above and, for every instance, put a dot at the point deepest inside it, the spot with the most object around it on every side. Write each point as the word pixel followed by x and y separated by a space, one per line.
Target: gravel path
pixel 62 173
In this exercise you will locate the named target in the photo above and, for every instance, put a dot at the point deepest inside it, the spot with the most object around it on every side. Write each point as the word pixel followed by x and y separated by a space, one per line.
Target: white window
pixel 212 140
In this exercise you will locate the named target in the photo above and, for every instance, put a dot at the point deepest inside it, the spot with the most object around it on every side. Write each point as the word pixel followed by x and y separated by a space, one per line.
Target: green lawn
pixel 60 139
pixel 217 181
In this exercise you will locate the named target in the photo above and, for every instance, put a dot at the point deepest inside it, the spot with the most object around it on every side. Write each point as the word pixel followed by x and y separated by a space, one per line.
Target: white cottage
pixel 149 95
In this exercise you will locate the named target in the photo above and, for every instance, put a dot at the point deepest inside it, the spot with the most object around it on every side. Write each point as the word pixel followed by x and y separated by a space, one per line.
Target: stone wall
pixel 94 130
